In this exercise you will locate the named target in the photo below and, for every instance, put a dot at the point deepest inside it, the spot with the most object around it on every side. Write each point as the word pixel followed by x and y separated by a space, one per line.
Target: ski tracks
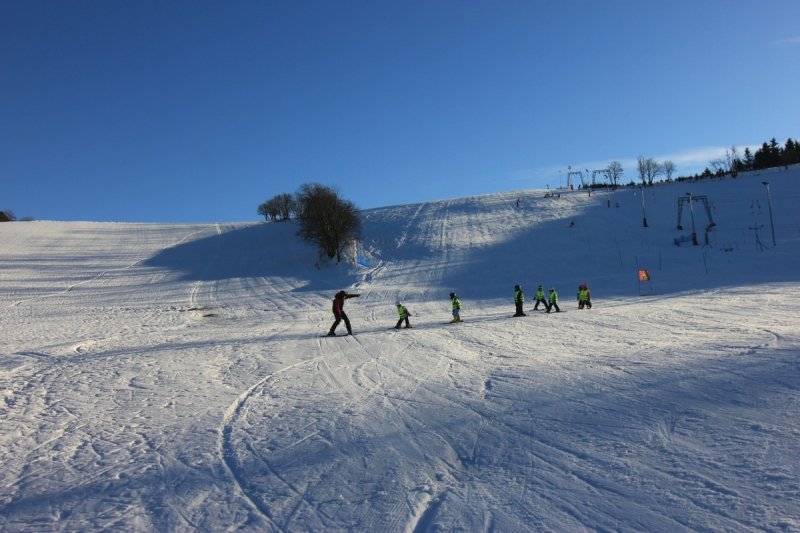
pixel 228 452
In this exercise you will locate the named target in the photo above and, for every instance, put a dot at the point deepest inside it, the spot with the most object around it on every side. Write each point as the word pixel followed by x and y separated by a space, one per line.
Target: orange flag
pixel 644 275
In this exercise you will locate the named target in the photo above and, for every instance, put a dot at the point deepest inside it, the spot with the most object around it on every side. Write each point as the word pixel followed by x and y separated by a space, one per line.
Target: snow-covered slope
pixel 175 377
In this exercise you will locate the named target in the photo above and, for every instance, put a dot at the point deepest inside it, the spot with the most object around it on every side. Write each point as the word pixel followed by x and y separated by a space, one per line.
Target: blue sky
pixel 195 111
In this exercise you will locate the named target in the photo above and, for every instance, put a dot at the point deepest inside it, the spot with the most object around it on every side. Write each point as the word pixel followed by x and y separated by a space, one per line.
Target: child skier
pixel 540 298
pixel 339 314
pixel 553 300
pixel 584 297
pixel 404 314
pixel 456 308
pixel 519 299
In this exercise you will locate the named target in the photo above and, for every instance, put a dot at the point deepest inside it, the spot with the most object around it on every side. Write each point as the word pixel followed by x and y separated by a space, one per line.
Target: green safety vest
pixel 402 311
pixel 456 303
pixel 518 296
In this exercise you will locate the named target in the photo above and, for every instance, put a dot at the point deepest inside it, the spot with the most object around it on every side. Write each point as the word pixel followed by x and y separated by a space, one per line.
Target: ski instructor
pixel 339 314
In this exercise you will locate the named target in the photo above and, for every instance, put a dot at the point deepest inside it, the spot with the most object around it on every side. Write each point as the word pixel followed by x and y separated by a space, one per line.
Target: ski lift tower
pixel 571 173
pixel 603 172
pixel 689 198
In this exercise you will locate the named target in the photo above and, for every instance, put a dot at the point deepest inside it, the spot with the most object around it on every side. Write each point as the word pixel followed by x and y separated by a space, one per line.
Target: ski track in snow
pixel 175 377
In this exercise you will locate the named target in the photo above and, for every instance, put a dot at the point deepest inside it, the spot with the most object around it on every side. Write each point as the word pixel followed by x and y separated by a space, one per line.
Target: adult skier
pixel 584 297
pixel 404 314
pixel 519 299
pixel 540 298
pixel 339 314
pixel 456 308
pixel 553 300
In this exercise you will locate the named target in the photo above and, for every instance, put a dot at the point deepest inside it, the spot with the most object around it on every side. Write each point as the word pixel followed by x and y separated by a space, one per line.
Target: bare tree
pixel 286 205
pixel 669 169
pixel 614 172
pixel 719 165
pixel 649 169
pixel 732 160
pixel 262 210
pixel 730 163
pixel 325 219
pixel 270 209
pixel 279 207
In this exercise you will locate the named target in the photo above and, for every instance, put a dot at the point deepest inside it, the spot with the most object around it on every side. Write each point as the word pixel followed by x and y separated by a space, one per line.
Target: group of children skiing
pixel 549 304
pixel 584 302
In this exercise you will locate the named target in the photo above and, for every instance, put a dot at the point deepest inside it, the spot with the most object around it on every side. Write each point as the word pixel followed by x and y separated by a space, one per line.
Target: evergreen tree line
pixel 769 155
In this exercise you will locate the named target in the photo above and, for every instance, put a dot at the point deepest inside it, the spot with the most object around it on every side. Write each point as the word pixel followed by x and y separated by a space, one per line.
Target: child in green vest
pixel 553 300
pixel 540 299
pixel 456 308
pixel 584 297
pixel 404 314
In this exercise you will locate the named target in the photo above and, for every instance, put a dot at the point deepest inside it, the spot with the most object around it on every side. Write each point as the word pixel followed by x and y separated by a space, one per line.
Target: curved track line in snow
pixel 225 444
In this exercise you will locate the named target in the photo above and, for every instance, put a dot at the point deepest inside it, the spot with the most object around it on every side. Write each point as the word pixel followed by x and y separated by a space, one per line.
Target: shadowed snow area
pixel 176 378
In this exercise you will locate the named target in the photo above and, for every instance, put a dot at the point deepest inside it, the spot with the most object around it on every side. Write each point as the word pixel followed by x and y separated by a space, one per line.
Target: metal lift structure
pixel 603 172
pixel 688 199
pixel 577 173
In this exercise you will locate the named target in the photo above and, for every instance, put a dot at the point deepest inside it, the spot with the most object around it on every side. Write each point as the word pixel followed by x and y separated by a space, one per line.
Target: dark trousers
pixel 519 312
pixel 551 306
pixel 339 318
pixel 408 325
pixel 540 301
pixel 586 303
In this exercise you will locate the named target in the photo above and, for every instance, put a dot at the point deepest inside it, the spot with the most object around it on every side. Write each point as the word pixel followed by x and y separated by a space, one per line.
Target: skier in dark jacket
pixel 339 314
pixel 519 299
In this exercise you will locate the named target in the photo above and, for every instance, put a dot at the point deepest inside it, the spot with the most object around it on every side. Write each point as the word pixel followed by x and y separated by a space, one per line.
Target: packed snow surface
pixel 176 377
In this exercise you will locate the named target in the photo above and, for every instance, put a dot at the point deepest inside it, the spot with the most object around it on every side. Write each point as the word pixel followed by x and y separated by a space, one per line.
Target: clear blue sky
pixel 173 111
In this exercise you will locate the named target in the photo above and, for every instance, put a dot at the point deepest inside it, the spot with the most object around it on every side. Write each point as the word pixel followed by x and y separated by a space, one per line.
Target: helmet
pixel 397 302
pixel 452 294
pixel 552 289
pixel 516 287
pixel 540 286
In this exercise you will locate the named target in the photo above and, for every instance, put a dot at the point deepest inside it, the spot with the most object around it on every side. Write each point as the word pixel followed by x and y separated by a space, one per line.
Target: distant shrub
pixel 279 207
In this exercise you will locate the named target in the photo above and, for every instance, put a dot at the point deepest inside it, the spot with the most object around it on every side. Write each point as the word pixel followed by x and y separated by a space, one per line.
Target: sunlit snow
pixel 176 377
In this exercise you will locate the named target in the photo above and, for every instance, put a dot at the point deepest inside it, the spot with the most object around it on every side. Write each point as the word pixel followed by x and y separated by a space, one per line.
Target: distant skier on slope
pixel 519 299
pixel 540 299
pixel 339 314
pixel 404 314
pixel 456 308
pixel 584 297
pixel 553 300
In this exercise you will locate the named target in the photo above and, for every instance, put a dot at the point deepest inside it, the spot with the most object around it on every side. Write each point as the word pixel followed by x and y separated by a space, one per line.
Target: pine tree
pixel 791 153
pixel 775 153
pixel 747 162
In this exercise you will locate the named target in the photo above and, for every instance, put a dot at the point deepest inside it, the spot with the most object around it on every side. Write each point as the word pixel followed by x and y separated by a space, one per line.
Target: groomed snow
pixel 175 377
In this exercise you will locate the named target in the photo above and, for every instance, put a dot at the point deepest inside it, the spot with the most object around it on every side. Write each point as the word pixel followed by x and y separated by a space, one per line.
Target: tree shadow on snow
pixel 270 250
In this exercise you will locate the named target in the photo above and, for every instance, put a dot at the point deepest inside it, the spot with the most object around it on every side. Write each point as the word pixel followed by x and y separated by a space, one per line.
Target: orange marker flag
pixel 644 275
